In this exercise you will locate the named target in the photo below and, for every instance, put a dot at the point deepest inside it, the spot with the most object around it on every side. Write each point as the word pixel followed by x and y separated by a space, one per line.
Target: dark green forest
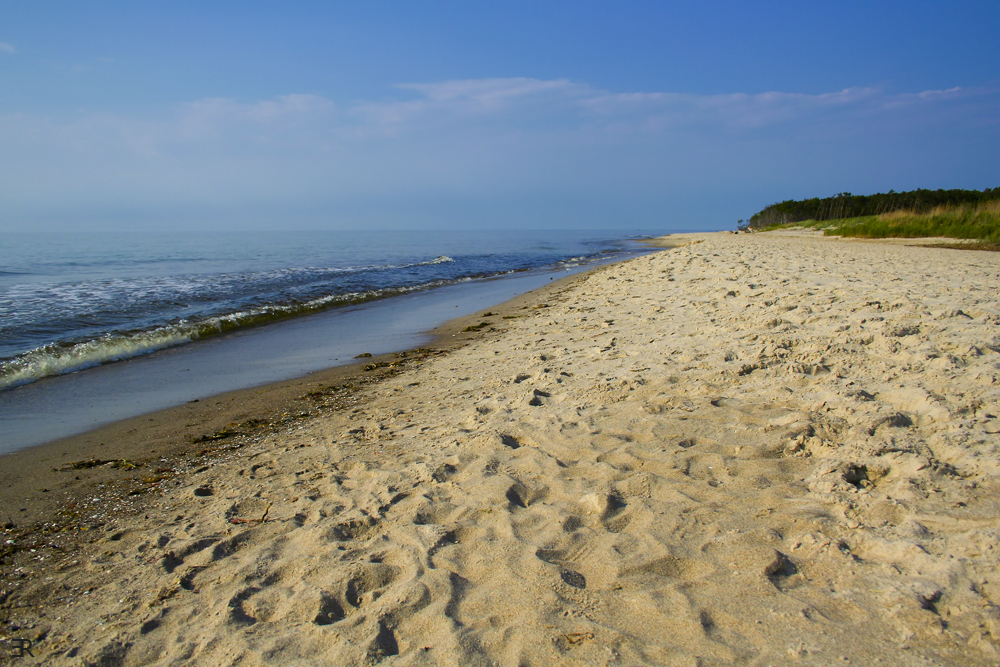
pixel 846 205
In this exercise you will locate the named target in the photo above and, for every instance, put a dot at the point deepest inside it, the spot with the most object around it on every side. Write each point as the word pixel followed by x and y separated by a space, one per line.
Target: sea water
pixel 89 301
pixel 79 300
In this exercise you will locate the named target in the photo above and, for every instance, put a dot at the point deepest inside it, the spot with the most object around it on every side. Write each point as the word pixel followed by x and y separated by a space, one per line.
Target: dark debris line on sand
pixel 28 552
pixel 43 563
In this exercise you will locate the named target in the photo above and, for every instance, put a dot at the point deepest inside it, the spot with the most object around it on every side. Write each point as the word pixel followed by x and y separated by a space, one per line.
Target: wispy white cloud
pixel 6 47
pixel 490 93
pixel 489 138
pixel 735 109
pixel 519 106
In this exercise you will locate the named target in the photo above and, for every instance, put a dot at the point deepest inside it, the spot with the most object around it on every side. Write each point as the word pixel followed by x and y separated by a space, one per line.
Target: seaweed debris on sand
pixel 747 450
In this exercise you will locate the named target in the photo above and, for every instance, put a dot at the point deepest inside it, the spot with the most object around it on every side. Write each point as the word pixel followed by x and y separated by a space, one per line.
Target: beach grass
pixel 516 491
pixel 980 224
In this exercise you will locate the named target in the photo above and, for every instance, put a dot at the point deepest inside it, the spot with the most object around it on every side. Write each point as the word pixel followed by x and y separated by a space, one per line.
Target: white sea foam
pixel 122 303
pixel 55 359
pixel 59 359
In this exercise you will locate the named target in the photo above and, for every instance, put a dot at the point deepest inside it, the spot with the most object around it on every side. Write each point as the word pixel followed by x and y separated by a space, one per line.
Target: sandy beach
pixel 750 449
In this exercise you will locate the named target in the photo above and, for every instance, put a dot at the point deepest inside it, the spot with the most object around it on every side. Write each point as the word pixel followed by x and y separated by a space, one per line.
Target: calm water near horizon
pixel 135 308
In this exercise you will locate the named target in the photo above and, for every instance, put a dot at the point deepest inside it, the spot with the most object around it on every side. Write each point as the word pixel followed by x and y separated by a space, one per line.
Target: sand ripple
pixel 750 450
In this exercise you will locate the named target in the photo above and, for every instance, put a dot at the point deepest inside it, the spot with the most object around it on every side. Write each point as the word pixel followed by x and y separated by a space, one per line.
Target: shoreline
pixel 51 408
pixel 742 451
pixel 249 413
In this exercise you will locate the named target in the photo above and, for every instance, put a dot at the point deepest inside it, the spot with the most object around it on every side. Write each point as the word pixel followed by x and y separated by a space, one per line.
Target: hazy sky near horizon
pixel 446 114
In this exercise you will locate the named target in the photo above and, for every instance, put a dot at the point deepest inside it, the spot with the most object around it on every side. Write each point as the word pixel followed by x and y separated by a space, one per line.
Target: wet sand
pixel 58 407
pixel 178 432
pixel 753 449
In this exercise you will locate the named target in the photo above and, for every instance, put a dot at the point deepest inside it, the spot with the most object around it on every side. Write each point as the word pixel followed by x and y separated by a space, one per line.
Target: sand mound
pixel 749 450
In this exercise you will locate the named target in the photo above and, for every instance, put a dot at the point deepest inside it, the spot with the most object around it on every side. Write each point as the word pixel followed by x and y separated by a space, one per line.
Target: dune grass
pixel 978 223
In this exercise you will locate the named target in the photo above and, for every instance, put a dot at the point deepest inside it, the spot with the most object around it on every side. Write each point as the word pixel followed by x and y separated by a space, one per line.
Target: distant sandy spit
pixel 748 450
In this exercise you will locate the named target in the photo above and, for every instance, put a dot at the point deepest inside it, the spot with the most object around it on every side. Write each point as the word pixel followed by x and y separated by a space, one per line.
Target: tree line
pixel 846 205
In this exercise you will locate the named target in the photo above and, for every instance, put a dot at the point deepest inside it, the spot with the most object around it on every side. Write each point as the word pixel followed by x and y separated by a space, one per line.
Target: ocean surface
pixel 216 302
pixel 80 300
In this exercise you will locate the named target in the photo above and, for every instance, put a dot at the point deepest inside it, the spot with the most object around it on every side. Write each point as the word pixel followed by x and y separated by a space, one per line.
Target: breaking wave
pixel 67 357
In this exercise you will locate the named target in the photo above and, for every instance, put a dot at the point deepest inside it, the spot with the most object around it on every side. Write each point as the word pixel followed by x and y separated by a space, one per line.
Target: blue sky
pixel 629 115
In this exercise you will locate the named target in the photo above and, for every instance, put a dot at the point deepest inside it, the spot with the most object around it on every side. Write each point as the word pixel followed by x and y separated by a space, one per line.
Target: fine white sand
pixel 755 449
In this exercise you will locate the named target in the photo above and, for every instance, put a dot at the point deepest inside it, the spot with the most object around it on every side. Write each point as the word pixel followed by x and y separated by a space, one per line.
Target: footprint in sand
pixel 509 441
pixel 671 567
pixel 608 508
pixel 537 397
pixel 238 611
pixel 330 610
pixel 559 558
pixel 521 496
pixel 366 585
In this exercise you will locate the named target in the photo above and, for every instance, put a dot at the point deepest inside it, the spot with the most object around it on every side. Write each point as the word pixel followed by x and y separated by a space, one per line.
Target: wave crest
pixel 62 358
